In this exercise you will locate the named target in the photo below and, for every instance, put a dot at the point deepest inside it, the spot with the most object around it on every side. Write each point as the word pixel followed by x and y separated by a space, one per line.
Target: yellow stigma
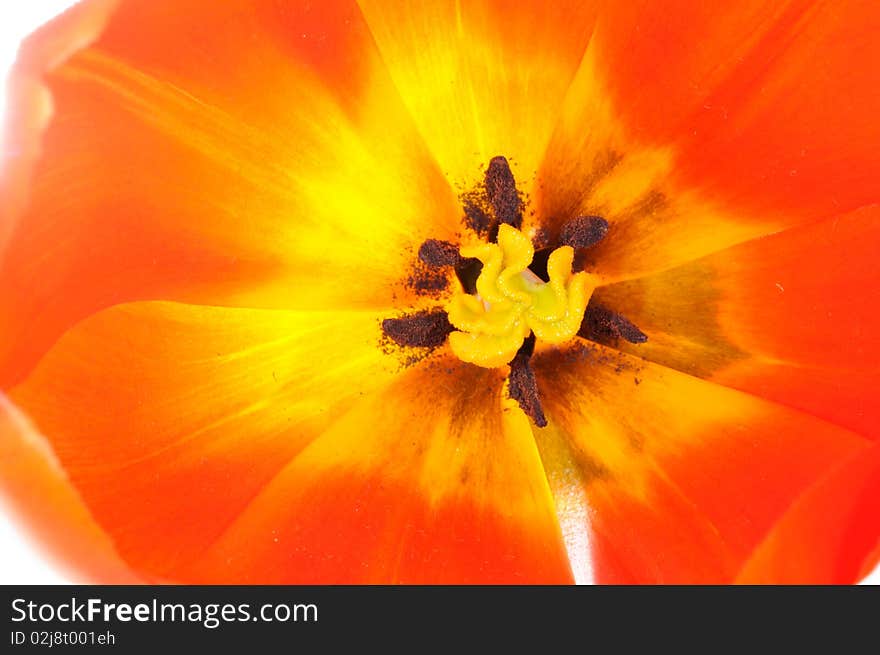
pixel 512 301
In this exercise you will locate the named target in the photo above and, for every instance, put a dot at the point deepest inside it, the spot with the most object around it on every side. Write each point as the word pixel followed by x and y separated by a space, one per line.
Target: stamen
pixel 523 387
pixel 512 295
pixel 601 324
pixel 436 253
pixel 425 329
pixel 584 231
pixel 501 189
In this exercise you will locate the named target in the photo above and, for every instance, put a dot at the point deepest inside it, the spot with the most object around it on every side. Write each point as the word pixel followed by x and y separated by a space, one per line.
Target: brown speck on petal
pixel 475 217
pixel 436 253
pixel 427 281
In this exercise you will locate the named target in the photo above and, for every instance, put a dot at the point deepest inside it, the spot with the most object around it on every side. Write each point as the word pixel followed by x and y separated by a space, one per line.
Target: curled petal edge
pixel 29 101
pixel 57 515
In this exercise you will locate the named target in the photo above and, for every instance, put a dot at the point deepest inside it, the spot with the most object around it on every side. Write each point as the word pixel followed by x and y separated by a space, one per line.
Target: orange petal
pixel 169 419
pixel 427 482
pixel 482 78
pixel 209 154
pixel 664 478
pixel 823 538
pixel 774 105
pixel 692 127
pixel 790 317
pixel 28 102
pixel 56 514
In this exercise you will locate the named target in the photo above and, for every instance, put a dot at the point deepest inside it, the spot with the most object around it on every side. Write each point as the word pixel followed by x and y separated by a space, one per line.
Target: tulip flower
pixel 445 292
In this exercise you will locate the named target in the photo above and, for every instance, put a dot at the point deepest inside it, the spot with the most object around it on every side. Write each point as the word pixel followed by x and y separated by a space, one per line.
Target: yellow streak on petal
pixel 282 175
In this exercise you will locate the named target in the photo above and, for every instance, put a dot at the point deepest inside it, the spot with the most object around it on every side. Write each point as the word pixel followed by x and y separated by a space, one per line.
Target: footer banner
pixel 144 619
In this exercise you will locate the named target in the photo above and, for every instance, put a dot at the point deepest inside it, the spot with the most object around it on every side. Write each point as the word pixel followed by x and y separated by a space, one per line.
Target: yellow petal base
pixel 511 302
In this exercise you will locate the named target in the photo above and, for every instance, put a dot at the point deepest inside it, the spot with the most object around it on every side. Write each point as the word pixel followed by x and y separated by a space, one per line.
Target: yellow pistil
pixel 512 302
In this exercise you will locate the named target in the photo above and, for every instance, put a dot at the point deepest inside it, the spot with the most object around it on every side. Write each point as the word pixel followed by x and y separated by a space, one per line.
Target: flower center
pixel 510 295
pixel 512 302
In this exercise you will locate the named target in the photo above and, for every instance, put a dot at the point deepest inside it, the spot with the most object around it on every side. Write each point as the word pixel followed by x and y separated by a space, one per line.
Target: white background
pixel 20 561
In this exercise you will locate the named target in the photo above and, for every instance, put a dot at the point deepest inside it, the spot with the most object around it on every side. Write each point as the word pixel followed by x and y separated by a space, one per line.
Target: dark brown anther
pixel 539 263
pixel 425 329
pixel 436 253
pixel 583 231
pixel 468 271
pixel 501 190
pixel 603 325
pixel 528 346
pixel 523 388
